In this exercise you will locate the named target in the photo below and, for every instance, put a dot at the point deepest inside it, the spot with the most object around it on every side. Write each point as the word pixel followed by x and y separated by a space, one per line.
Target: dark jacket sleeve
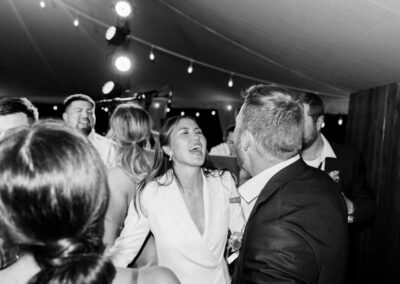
pixel 362 194
pixel 282 255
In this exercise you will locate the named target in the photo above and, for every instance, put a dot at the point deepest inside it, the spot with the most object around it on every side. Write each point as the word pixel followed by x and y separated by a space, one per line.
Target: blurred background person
pixel 226 148
pixel 189 209
pixel 16 112
pixel 79 112
pixel 130 128
pixel 53 198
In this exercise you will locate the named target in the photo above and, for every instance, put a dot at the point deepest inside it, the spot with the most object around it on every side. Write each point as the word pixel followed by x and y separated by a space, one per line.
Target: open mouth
pixel 196 149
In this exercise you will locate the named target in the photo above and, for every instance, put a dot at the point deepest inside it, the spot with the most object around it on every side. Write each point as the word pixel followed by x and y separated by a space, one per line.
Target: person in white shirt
pixel 79 112
pixel 189 209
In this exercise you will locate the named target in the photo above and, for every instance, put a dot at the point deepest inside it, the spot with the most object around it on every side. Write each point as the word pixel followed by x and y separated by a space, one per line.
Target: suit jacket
pixel 296 232
pixel 353 183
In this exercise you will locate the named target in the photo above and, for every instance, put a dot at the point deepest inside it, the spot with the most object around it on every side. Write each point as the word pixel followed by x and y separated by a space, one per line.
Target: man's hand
pixel 350 209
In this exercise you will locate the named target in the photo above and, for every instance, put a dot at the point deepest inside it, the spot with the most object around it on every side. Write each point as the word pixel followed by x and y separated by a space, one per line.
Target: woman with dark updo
pixel 53 198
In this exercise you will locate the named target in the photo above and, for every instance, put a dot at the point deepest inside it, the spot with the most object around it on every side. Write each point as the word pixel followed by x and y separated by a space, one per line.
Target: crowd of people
pixel 143 207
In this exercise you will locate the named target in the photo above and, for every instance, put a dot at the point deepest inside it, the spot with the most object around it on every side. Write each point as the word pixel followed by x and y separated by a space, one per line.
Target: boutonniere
pixel 334 175
pixel 234 244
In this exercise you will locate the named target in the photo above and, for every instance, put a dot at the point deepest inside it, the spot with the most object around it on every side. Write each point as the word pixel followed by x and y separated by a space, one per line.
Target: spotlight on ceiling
pixel 112 89
pixel 123 8
pixel 116 35
pixel 123 63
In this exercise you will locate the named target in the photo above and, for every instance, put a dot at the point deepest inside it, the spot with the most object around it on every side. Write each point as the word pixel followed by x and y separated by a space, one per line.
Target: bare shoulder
pixel 157 274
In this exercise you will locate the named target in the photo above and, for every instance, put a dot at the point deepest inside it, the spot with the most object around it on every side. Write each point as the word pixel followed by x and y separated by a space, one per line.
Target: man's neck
pixel 315 150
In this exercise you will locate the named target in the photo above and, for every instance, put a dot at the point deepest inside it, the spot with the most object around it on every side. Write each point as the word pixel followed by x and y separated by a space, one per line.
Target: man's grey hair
pixel 275 118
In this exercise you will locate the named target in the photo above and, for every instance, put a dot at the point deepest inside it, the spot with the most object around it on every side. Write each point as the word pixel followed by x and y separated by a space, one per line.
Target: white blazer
pixel 193 257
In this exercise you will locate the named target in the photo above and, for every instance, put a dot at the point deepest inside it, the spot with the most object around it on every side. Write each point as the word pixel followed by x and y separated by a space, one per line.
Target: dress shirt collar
pixel 327 152
pixel 251 189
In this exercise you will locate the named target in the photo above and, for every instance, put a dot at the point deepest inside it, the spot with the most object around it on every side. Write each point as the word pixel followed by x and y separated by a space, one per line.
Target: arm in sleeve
pixel 134 233
pixel 362 195
pixel 236 216
pixel 276 253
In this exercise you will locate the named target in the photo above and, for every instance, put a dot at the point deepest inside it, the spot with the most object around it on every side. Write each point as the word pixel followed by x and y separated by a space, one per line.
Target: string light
pixel 106 109
pixel 190 68
pixel 213 112
pixel 230 82
pixel 197 114
pixel 123 8
pixel 229 107
pixel 157 105
pixel 42 4
pixel 168 109
pixel 123 63
pixel 182 113
pixel 323 125
pixel 55 107
pixel 340 121
pixel 151 55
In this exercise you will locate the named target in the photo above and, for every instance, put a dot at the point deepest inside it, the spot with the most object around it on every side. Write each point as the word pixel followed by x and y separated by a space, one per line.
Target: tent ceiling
pixel 333 48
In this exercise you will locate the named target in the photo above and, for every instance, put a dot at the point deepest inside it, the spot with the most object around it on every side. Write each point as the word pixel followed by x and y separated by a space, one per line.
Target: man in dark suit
pixel 344 165
pixel 296 228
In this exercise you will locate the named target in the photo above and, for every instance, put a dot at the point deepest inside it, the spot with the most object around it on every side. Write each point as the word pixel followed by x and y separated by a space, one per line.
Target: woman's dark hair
pixel 130 127
pixel 162 163
pixel 53 198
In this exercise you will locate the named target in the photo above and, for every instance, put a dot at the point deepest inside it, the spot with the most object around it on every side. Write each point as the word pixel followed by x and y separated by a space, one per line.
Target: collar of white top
pixel 251 189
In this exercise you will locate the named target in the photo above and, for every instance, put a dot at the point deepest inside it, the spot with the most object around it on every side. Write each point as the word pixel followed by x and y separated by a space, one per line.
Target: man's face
pixel 231 144
pixel 14 120
pixel 311 130
pixel 80 114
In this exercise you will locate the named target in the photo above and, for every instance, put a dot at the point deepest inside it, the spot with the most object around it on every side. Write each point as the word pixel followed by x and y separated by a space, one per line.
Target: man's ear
pixel 320 122
pixel 65 116
pixel 167 150
pixel 248 140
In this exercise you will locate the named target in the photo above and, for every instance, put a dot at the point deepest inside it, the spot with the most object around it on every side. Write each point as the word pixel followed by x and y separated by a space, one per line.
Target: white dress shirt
pixel 106 148
pixel 327 152
pixel 250 190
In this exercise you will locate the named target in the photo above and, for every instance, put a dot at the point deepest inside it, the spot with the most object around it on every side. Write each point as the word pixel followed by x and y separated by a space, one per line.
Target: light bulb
pixel 157 105
pixel 123 63
pixel 213 112
pixel 340 121
pixel 123 8
pixel 190 68
pixel 229 107
pixel 42 4
pixel 182 113
pixel 55 107
pixel 168 109
pixel 230 82
pixel 323 125
pixel 197 114
pixel 76 22
pixel 152 56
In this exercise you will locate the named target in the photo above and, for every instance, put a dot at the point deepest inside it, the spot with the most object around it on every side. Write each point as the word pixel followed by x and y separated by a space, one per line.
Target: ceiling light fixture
pixel 123 8
pixel 116 35
pixel 123 63
pixel 230 82
pixel 190 68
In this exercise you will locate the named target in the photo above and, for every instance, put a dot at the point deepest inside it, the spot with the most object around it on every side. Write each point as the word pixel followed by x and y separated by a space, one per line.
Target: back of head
pixel 53 198
pixel 130 127
pixel 14 105
pixel 274 118
pixel 314 102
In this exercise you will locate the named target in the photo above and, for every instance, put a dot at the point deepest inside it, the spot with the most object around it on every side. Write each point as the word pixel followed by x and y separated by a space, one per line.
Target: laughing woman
pixel 188 208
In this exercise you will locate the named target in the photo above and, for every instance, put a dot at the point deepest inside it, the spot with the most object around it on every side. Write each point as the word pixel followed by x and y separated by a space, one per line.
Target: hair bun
pixel 57 252
pixel 78 269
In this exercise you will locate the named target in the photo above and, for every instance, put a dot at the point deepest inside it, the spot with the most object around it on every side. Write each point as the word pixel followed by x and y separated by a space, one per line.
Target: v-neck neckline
pixel 205 208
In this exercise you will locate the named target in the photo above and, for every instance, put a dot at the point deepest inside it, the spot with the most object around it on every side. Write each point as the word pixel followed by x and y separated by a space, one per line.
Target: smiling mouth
pixel 196 149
